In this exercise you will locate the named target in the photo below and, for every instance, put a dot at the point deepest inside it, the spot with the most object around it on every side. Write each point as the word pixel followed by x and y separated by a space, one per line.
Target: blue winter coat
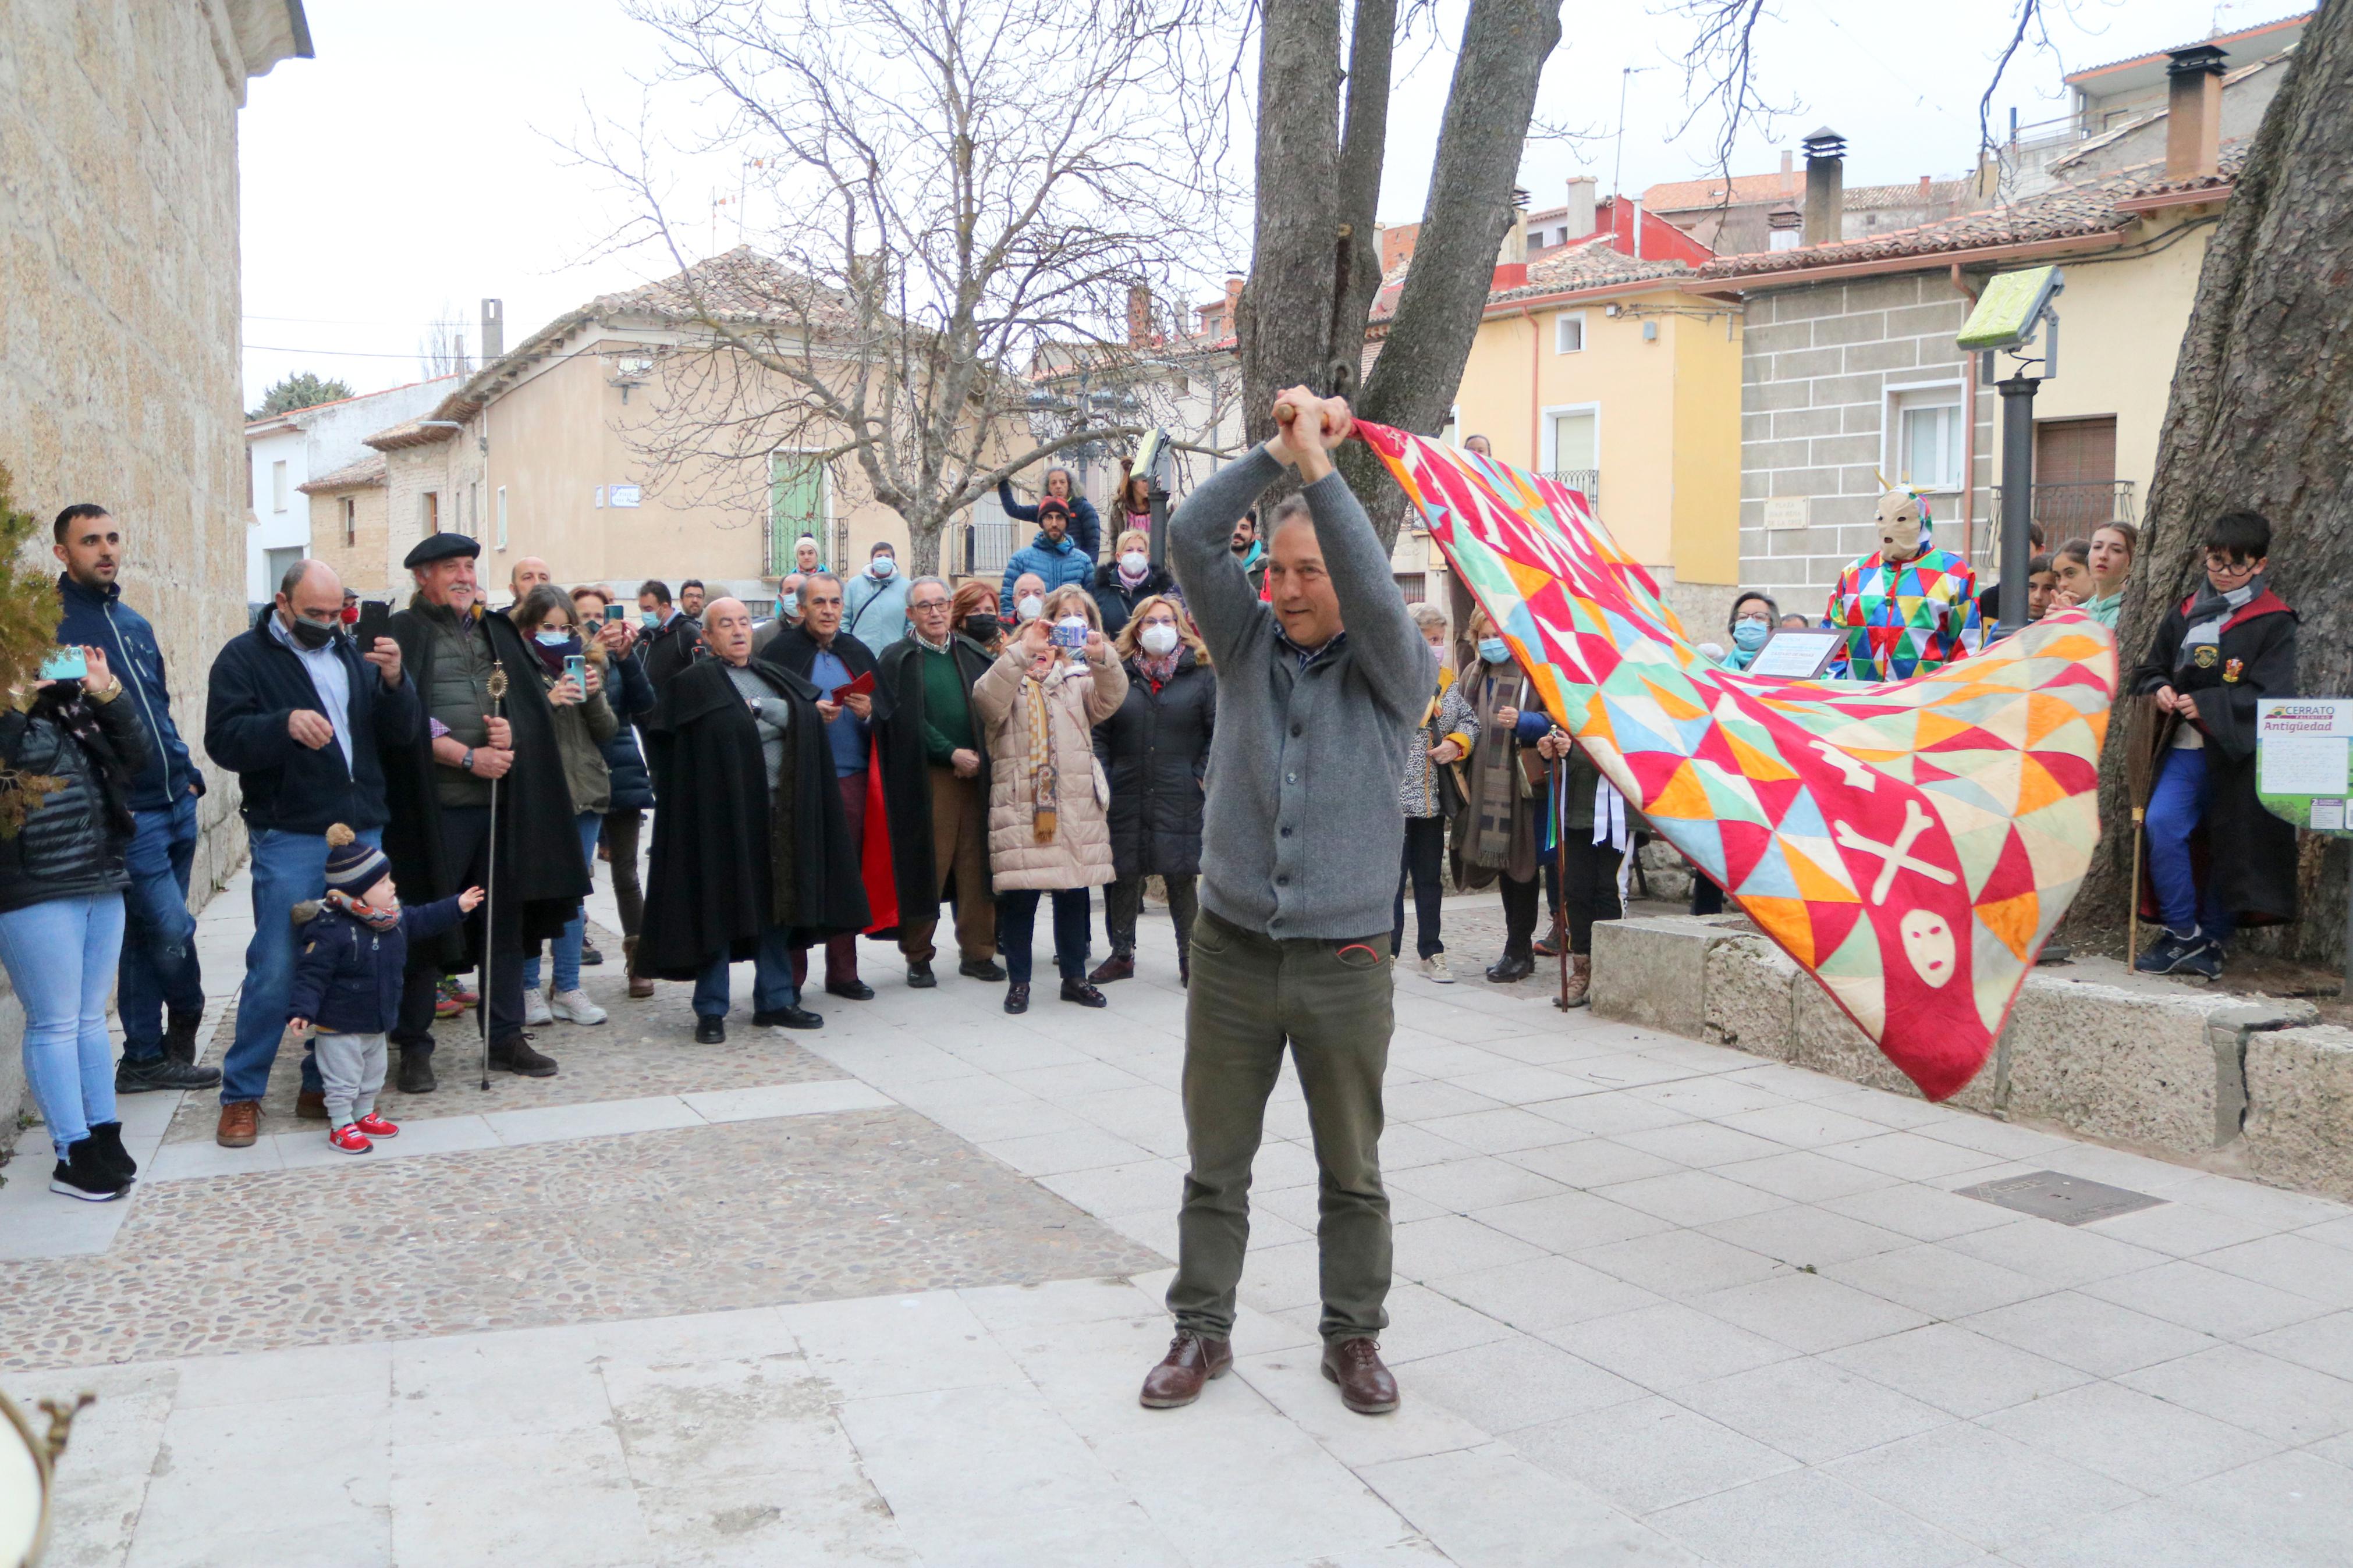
pixel 630 693
pixel 1086 523
pixel 347 977
pixel 96 618
pixel 1059 565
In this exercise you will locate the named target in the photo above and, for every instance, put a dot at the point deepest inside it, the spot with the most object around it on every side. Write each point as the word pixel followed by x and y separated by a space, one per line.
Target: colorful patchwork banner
pixel 1910 844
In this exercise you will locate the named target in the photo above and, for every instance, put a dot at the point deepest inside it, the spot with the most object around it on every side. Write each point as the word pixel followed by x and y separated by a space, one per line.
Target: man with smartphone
pixel 159 979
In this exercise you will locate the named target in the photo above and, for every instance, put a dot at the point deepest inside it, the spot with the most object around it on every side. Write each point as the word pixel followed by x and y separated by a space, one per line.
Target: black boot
pixel 1512 966
pixel 416 1071
pixel 81 1175
pixel 180 1039
pixel 516 1055
pixel 162 1072
pixel 107 1153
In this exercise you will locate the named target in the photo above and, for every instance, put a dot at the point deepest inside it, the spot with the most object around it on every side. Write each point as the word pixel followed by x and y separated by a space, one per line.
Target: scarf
pixel 1045 782
pixel 69 708
pixel 551 658
pixel 2207 613
pixel 1158 668
pixel 367 914
pixel 1127 581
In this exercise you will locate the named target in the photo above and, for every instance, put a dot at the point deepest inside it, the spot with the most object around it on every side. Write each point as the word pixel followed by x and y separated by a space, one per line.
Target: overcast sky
pixel 417 163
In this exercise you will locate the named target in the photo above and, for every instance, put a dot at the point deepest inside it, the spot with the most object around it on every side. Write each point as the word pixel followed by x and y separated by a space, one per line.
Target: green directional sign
pixel 2304 761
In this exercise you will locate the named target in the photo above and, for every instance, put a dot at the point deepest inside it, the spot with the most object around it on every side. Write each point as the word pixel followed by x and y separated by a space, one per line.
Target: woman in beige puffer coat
pixel 1049 829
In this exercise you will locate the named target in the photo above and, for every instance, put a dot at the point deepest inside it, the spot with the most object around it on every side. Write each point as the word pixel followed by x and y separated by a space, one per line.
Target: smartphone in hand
pixel 65 664
pixel 576 671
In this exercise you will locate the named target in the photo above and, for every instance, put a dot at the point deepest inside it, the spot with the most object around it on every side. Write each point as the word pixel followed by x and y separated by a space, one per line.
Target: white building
pixel 285 451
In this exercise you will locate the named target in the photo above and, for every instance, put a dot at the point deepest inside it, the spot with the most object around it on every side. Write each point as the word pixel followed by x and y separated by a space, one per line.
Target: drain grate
pixel 2070 1200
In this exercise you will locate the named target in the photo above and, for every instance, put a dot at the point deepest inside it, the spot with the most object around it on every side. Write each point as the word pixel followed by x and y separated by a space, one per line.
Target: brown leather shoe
pixel 1191 1361
pixel 240 1124
pixel 1118 966
pixel 640 988
pixel 1366 1385
pixel 311 1104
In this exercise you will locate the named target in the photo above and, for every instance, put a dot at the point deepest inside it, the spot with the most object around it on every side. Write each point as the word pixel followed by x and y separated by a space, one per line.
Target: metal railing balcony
pixel 2071 511
pixel 1585 481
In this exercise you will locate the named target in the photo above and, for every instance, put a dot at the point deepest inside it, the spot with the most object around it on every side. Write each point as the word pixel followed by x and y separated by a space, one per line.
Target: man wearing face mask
pixel 670 638
pixel 1053 557
pixel 788 613
pixel 1029 601
pixel 301 715
pixel 874 603
pixel 1122 584
pixel 437 789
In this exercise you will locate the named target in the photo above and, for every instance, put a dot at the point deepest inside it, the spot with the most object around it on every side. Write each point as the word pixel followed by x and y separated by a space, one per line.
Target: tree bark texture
pixel 2261 418
pixel 1283 326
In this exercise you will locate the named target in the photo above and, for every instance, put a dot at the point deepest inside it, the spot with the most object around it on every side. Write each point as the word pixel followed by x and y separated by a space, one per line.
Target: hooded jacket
pixel 1058 565
pixel 97 617
pixel 1086 523
pixel 1117 601
pixel 348 974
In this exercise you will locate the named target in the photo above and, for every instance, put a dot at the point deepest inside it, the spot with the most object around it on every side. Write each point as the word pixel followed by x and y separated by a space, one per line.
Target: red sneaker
pixel 375 1126
pixel 350 1139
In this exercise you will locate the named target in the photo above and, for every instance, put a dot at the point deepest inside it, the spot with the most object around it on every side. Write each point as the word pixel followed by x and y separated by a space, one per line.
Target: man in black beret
pixel 439 792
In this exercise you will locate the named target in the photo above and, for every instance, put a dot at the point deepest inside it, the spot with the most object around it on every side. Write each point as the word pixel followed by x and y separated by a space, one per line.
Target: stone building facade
pixel 350 527
pixel 119 326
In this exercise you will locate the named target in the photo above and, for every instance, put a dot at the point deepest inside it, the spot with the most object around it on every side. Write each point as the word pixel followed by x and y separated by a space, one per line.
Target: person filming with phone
pixel 574 674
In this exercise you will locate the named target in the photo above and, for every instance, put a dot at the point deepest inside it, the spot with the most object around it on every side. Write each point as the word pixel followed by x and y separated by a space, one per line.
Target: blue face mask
pixel 1750 636
pixel 555 639
pixel 651 620
pixel 791 603
pixel 1494 650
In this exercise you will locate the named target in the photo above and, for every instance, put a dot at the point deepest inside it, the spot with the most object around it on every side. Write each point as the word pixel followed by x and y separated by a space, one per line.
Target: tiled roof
pixel 2067 213
pixel 1687 196
pixel 368 471
pixel 1868 198
pixel 1586 264
pixel 2219 39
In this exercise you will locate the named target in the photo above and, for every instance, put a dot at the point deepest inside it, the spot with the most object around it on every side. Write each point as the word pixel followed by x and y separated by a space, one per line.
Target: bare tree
pixel 961 189
pixel 1315 269
pixel 442 350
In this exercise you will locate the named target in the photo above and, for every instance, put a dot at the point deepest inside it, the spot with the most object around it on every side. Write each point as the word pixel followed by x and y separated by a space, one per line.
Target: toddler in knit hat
pixel 348 978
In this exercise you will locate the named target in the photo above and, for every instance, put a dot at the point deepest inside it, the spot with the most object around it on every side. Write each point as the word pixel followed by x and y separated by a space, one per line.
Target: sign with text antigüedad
pixel 2304 761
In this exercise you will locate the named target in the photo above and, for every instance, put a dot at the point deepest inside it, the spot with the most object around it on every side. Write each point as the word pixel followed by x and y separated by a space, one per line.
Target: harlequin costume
pixel 1907 618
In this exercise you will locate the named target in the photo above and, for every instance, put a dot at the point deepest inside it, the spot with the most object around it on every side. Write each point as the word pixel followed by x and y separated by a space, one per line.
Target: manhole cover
pixel 2070 1200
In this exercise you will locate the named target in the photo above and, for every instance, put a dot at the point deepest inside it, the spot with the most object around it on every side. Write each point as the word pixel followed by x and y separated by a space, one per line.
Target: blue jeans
pixel 2175 807
pixel 60 956
pixel 159 940
pixel 772 978
pixel 590 826
pixel 287 867
pixel 1017 922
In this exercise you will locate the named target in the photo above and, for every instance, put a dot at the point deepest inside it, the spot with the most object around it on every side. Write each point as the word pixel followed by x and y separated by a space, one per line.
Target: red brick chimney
pixel 1139 315
pixel 2193 112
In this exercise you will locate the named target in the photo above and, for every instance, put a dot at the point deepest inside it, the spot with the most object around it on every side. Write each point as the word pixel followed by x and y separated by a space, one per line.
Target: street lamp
pixel 2015 308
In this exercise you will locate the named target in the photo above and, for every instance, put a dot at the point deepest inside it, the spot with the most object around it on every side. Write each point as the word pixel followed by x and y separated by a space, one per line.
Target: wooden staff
pixel 1560 871
pixel 498 689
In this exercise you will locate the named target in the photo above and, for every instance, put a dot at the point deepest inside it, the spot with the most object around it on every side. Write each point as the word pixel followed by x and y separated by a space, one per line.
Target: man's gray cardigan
pixel 1302 834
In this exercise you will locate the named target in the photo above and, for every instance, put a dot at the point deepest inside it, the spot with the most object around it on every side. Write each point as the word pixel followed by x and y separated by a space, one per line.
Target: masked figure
pixel 1908 609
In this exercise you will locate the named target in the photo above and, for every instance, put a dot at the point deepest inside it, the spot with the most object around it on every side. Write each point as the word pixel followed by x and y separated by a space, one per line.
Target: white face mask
pixel 1134 561
pixel 1030 607
pixel 1158 641
pixel 882 567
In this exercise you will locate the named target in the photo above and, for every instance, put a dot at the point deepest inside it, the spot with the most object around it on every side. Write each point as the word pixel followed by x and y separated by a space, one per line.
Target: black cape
pixel 540 877
pixel 2252 851
pixel 902 879
pixel 730 861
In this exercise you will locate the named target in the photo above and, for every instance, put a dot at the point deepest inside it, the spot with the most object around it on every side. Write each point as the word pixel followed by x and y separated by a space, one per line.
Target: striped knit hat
pixel 352 868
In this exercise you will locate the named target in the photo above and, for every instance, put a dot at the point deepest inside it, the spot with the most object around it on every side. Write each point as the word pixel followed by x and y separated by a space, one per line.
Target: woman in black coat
pixel 1155 751
pixel 72 753
pixel 630 695
pixel 1129 579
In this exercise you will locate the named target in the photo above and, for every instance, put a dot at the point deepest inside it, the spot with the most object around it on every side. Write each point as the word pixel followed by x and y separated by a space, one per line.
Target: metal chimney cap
pixel 2196 60
pixel 1824 143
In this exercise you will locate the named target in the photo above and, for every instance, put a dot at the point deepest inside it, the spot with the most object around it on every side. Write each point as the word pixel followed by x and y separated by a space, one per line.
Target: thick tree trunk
pixel 2262 418
pixel 1284 323
pixel 1505 46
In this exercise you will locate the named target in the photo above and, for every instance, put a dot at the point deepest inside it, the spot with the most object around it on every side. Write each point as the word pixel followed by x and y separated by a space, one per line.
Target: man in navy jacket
pixel 299 713
pixel 159 968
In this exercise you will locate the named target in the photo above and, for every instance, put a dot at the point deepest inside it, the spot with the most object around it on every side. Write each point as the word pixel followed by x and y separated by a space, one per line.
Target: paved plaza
pixel 883 1294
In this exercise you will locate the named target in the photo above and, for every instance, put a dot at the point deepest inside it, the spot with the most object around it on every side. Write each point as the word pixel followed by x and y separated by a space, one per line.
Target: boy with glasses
pixel 2217 656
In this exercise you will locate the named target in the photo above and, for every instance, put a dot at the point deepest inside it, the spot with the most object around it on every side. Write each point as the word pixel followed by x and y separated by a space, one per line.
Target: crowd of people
pixel 429 789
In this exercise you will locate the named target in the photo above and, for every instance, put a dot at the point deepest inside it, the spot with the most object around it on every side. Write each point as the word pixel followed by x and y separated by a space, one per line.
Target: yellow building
pixel 1599 369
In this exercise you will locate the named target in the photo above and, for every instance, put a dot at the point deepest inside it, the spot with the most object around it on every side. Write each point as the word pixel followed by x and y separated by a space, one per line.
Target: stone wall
pixel 2243 1085
pixel 1819 362
pixel 118 324
pixel 362 565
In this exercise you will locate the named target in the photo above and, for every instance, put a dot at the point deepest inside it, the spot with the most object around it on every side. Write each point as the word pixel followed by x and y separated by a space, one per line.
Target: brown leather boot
pixel 640 988
pixel 1366 1385
pixel 311 1104
pixel 1552 941
pixel 1191 1361
pixel 1580 978
pixel 240 1124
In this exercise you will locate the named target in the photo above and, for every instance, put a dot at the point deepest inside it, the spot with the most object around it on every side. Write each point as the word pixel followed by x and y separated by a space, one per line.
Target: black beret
pixel 440 547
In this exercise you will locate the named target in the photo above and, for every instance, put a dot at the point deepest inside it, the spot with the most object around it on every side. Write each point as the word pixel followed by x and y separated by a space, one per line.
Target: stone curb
pixel 2253 1084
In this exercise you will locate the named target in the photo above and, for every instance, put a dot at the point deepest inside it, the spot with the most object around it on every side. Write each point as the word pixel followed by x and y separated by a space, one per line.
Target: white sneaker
pixel 1434 970
pixel 534 1009
pixel 574 1007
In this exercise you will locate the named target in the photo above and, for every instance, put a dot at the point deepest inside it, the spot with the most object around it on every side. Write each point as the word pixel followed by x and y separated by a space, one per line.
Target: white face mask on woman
pixel 1159 639
pixel 1134 562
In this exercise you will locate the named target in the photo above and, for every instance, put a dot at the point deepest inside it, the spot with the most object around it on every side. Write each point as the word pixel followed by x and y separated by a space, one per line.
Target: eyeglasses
pixel 2222 565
